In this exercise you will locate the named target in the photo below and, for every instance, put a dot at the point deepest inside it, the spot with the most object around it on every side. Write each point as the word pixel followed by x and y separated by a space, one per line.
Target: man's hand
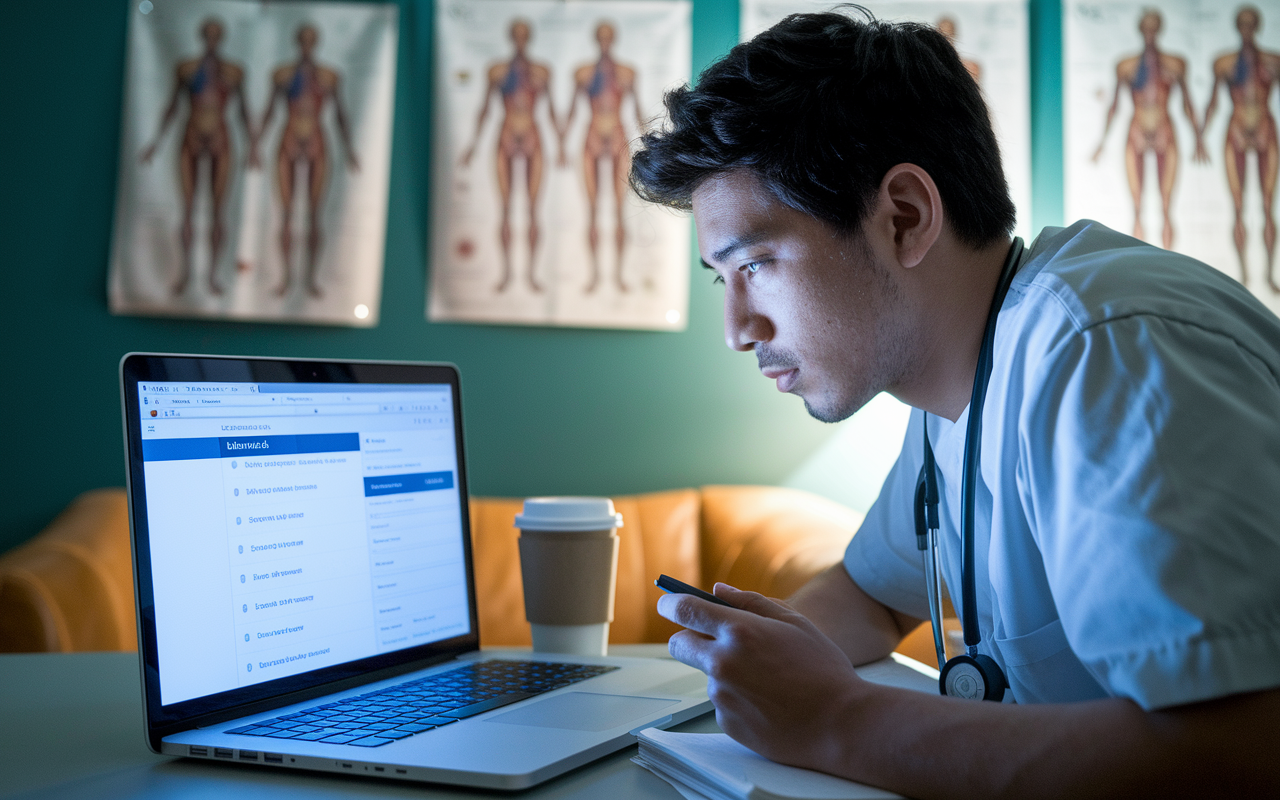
pixel 780 687
pixel 785 690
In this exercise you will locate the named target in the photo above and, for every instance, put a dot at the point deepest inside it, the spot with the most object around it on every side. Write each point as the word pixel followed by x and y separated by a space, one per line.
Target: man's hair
pixel 819 107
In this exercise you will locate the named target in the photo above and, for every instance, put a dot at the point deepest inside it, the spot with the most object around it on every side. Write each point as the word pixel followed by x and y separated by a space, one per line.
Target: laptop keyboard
pixel 400 711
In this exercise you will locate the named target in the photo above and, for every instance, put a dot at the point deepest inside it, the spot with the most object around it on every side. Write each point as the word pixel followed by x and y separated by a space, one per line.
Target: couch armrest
pixel 71 587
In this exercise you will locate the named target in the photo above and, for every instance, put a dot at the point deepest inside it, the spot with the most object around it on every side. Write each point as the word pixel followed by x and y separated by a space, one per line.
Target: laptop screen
pixel 292 527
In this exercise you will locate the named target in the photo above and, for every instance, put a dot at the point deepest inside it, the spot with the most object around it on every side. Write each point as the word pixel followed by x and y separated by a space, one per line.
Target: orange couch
pixel 71 587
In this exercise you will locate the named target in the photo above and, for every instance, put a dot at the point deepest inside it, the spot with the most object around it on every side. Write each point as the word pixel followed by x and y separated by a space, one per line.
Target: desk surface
pixel 73 729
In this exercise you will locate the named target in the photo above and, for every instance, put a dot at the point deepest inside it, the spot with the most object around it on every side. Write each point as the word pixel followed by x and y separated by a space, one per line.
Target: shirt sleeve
pixel 882 557
pixel 1149 464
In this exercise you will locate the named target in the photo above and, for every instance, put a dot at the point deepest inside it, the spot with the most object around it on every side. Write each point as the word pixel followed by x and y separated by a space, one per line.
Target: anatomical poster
pixel 538 106
pixel 1170 131
pixel 991 37
pixel 254 160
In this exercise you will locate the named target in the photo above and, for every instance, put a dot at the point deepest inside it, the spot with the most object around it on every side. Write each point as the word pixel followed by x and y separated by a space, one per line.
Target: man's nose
pixel 743 325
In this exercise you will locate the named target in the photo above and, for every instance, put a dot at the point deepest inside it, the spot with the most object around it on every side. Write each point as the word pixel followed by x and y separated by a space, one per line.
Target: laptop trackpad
pixel 583 711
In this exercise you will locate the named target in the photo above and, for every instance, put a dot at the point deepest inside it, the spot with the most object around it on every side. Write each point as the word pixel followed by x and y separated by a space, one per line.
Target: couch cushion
pixel 659 534
pixel 496 558
pixel 663 538
pixel 71 588
pixel 771 540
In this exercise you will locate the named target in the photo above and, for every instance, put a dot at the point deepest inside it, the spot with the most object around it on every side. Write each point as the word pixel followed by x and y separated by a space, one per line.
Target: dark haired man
pixel 848 192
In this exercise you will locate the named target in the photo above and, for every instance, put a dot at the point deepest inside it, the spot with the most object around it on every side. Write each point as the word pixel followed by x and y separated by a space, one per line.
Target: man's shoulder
pixel 1083 278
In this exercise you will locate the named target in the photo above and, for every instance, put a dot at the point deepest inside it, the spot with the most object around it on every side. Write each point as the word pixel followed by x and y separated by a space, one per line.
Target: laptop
pixel 305 587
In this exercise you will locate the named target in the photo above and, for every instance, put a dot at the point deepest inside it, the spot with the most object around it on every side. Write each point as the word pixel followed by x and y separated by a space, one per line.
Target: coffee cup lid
pixel 568 514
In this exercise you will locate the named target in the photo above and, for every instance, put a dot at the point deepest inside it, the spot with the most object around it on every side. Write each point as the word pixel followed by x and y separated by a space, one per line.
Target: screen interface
pixel 297 526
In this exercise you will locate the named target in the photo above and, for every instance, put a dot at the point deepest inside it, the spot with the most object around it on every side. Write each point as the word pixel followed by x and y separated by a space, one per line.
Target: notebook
pixel 305 587
pixel 711 766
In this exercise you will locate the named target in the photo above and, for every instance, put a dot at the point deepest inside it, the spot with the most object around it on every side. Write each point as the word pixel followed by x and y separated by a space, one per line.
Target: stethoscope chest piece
pixel 972 678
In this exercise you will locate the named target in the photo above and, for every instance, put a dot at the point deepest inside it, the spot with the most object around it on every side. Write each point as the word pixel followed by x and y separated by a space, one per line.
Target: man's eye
pixel 718 279
pixel 752 268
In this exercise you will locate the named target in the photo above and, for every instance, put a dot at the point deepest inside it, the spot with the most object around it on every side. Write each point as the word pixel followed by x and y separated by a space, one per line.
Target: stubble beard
pixel 840 413
pixel 889 352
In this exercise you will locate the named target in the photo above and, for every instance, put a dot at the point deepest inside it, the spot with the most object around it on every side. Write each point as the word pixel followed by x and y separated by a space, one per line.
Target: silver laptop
pixel 305 589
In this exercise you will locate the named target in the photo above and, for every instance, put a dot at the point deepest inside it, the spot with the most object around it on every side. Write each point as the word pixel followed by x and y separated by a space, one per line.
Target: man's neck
pixel 955 285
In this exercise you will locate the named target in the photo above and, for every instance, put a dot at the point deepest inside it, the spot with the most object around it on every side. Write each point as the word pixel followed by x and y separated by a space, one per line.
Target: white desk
pixel 72 728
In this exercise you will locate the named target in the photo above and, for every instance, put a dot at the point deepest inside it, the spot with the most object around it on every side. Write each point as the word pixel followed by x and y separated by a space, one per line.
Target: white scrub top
pixel 1128 508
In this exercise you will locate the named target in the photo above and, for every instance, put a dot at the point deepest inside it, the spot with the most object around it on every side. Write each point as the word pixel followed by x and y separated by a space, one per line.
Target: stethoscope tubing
pixel 927 493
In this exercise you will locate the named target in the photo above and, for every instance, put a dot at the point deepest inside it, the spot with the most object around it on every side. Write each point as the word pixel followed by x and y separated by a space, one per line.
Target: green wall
pixel 546 410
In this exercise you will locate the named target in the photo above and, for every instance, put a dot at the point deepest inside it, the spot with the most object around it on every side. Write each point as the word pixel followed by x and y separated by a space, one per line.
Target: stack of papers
pixel 711 766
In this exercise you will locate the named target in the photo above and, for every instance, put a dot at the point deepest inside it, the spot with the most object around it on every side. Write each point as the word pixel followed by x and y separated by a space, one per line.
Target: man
pixel 606 84
pixel 1249 75
pixel 1127 545
pixel 306 87
pixel 522 83
pixel 210 83
pixel 1151 77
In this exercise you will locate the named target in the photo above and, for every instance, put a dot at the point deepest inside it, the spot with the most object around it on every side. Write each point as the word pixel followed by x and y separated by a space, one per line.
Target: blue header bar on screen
pixel 399 484
pixel 179 449
pixel 183 449
pixel 348 388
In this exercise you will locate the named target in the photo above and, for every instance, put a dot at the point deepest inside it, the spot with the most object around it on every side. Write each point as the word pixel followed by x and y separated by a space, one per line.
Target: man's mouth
pixel 784 376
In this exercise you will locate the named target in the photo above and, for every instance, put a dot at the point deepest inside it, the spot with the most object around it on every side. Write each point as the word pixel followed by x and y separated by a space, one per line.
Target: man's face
pixel 817 308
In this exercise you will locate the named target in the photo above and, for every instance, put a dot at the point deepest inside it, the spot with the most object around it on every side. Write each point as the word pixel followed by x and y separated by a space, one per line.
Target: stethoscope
pixel 972 675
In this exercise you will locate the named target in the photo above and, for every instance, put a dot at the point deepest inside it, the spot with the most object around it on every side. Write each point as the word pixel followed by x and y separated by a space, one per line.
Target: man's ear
pixel 910 211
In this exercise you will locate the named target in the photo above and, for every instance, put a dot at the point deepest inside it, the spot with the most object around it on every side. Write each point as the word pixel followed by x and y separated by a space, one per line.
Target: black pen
pixel 670 585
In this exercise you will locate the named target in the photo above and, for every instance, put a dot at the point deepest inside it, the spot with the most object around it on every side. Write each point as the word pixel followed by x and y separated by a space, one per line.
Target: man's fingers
pixel 690 648
pixel 708 618
pixel 754 602
pixel 694 613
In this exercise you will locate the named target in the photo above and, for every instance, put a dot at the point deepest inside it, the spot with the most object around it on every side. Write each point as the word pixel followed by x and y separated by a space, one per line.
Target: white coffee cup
pixel 569 567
